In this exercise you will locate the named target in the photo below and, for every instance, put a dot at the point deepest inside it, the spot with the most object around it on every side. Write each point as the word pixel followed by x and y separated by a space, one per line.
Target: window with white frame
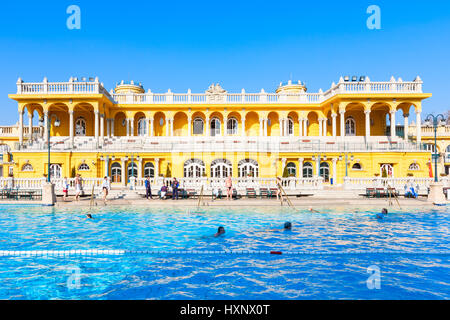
pixel 232 126
pixel 248 168
pixel 142 127
pixel 291 169
pixel 198 126
pixel 149 170
pixel 55 171
pixel 215 127
pixel 350 127
pixel 194 168
pixel 221 168
pixel 80 127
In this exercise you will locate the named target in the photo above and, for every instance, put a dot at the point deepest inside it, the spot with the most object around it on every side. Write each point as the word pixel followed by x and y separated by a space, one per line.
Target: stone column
pixel 151 127
pixel 320 127
pixel 112 127
pixel 171 127
pixel 300 127
pixel 243 126
pixel 281 127
pixel 107 166
pixel 317 167
pixel 283 165
pixel 124 176
pixel 156 167
pixel 266 122
pixel 96 126
pixel 139 168
pixel 208 127
pixel 46 137
pixel 334 170
pixel 406 126
pixel 418 127
pixel 305 127
pixel 167 127
pixel 21 128
pixel 342 114
pixel 334 116
pixel 132 127
pixel 300 167
pixel 127 121
pixel 325 131
pixel 71 128
pixel 108 128
pixel 225 126
pixel 367 113
pixel 30 125
pixel 286 127
pixel 189 126
pixel 261 127
pixel 102 128
pixel 393 127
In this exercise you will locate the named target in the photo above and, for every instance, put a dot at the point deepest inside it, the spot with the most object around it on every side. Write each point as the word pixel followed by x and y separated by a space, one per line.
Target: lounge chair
pixel 264 192
pixel 250 193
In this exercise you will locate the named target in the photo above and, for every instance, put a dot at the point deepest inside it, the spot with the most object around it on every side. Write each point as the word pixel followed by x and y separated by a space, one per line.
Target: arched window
pixel 221 168
pixel 55 171
pixel 194 168
pixel 149 170
pixel 83 167
pixel 198 126
pixel 248 168
pixel 414 167
pixel 350 127
pixel 27 167
pixel 386 170
pixel 142 127
pixel 307 170
pixel 116 172
pixel 232 126
pixel 132 169
pixel 357 166
pixel 291 169
pixel 325 171
pixel 290 127
pixel 215 127
pixel 80 127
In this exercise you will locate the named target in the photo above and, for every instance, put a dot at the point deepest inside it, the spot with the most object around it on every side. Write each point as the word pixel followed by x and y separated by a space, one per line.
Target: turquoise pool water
pixel 327 255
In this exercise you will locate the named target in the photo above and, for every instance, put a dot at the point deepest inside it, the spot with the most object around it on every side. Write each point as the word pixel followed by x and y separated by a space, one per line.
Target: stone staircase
pixel 123 193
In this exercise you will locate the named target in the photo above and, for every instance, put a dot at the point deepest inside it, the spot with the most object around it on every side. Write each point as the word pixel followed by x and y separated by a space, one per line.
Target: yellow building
pixel 128 131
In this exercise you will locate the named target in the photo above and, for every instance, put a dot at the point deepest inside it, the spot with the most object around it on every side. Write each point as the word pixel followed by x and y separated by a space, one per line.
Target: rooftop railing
pixel 343 87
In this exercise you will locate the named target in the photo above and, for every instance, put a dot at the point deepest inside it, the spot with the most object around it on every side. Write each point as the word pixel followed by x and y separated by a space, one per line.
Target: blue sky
pixel 240 44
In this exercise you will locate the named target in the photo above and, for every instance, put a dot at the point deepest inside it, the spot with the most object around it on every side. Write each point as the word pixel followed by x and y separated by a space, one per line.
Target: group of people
pixel 78 187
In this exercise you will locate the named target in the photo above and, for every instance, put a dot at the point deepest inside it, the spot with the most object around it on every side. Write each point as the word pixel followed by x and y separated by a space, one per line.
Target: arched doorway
pixel 215 127
pixel 350 127
pixel 325 171
pixel 116 172
pixel 80 127
pixel 55 171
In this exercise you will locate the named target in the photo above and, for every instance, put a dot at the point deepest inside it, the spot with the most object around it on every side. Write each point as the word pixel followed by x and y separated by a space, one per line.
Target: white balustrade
pixel 377 182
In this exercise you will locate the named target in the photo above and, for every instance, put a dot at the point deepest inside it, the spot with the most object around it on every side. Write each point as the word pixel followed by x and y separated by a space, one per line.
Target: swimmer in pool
pixel 89 216
pixel 220 231
pixel 287 226
pixel 383 213
pixel 312 210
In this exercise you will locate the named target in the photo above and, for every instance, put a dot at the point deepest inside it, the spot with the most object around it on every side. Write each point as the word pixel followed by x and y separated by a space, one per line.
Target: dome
pixel 129 87
pixel 291 87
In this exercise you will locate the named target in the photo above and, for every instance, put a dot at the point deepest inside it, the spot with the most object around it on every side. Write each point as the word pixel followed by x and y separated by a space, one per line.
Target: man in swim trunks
pixel 78 187
pixel 229 186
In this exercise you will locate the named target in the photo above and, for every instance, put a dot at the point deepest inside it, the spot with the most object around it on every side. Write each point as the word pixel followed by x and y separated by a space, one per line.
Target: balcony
pixel 222 97
pixel 226 144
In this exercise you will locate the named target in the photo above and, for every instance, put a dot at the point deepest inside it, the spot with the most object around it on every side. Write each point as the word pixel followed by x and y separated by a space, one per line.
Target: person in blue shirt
pixel 175 185
pixel 148 188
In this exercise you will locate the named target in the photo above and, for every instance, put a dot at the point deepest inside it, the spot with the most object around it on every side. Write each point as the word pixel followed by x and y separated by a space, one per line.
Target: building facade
pixel 129 132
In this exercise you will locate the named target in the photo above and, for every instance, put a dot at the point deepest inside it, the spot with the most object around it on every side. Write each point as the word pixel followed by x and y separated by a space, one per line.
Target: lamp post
pixel 434 121
pixel 49 125
pixel 346 162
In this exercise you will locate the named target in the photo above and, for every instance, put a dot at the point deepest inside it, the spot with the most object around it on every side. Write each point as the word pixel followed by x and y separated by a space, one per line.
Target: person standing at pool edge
pixel 65 189
pixel 175 185
pixel 148 188
pixel 105 188
pixel 78 187
pixel 229 186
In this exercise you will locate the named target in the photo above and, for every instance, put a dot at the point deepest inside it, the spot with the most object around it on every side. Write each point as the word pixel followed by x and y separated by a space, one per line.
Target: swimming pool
pixel 338 253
